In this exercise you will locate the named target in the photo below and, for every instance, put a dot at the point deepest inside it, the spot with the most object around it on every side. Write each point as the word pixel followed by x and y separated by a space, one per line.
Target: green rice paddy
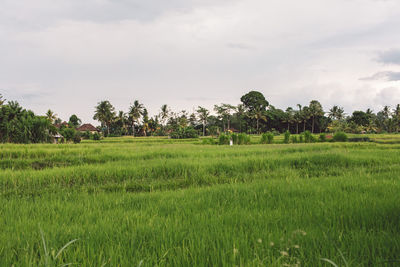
pixel 163 202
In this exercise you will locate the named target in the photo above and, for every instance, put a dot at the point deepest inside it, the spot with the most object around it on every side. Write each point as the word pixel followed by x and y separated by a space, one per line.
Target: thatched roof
pixel 87 127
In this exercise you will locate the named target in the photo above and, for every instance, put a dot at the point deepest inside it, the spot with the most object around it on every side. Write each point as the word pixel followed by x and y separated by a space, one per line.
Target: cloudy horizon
pixel 69 55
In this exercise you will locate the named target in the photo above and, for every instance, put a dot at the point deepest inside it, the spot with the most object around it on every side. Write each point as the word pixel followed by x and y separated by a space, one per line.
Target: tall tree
pixel 164 113
pixel 289 117
pixel 135 112
pixel 336 113
pixel 256 104
pixel 203 114
pixel 51 116
pixel 74 121
pixel 315 111
pixel 104 113
pixel 240 112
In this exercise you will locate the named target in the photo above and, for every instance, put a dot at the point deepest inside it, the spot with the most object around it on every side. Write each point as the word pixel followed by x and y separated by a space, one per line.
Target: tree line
pixel 253 115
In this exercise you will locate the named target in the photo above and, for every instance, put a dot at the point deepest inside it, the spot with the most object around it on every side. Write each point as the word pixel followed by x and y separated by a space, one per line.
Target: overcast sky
pixel 67 55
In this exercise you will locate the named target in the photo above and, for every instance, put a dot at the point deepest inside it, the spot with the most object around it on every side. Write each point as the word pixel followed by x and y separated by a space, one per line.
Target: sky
pixel 67 55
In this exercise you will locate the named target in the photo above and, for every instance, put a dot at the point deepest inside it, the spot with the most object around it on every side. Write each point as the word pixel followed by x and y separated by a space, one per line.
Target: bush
pixel 264 138
pixel 77 138
pixel 68 134
pixel 234 138
pixel 340 137
pixel 208 141
pixel 224 139
pixel 87 135
pixel 322 137
pixel 270 138
pixel 307 137
pixel 243 139
pixel 294 139
pixel 96 136
pixel 286 138
pixel 301 138
pixel 182 133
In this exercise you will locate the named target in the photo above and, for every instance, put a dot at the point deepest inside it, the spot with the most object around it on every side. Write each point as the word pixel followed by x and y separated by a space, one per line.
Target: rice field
pixel 162 202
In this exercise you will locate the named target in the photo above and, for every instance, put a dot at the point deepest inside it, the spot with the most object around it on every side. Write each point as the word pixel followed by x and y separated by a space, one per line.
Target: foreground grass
pixel 149 204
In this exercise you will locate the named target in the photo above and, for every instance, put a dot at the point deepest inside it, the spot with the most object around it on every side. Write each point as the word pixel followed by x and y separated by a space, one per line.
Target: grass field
pixel 163 202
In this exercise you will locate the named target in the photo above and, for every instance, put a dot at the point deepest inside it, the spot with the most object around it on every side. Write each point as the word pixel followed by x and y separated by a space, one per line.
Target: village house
pixel 87 127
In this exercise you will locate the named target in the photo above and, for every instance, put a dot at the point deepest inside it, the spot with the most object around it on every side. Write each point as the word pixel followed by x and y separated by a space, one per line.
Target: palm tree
pixel 51 116
pixel 122 120
pixel 289 117
pixel 240 111
pixel 203 114
pixel 2 101
pixel 336 113
pixel 305 115
pixel 104 113
pixel 396 116
pixel 164 113
pixel 258 114
pixel 135 112
pixel 315 110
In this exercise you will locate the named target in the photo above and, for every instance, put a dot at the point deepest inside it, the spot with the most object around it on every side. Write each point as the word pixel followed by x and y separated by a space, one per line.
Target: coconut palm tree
pixel 135 112
pixel 316 110
pixel 203 114
pixel 105 114
pixel 289 117
pixel 240 111
pixel 51 116
pixel 164 114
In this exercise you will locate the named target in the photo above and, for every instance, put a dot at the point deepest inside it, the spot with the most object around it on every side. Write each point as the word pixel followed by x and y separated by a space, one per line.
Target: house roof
pixel 61 124
pixel 87 127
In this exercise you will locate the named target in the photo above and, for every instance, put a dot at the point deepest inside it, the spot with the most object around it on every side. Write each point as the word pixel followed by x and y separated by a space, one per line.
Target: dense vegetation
pixel 161 202
pixel 255 115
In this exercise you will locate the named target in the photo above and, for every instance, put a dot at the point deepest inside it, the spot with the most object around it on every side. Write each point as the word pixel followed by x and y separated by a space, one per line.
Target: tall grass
pixel 179 204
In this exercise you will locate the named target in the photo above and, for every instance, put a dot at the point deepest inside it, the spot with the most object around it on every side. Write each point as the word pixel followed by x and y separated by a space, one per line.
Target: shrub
pixel 68 134
pixel 224 139
pixel 234 138
pixel 87 135
pixel 264 138
pixel 301 138
pixel 270 138
pixel 182 133
pixel 286 138
pixel 77 138
pixel 208 141
pixel 96 136
pixel 307 137
pixel 294 139
pixel 340 137
pixel 322 137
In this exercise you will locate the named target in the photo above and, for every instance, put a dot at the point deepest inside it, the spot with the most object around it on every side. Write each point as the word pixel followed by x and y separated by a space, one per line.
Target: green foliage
pixel 235 138
pixel 340 137
pixel 270 137
pixel 182 133
pixel 86 135
pixel 322 137
pixel 224 139
pixel 77 137
pixel 308 138
pixel 96 136
pixel 68 133
pixel 18 125
pixel 243 139
pixel 286 138
pixel 208 141
pixel 301 138
pixel 294 139
pixel 74 121
pixel 264 138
